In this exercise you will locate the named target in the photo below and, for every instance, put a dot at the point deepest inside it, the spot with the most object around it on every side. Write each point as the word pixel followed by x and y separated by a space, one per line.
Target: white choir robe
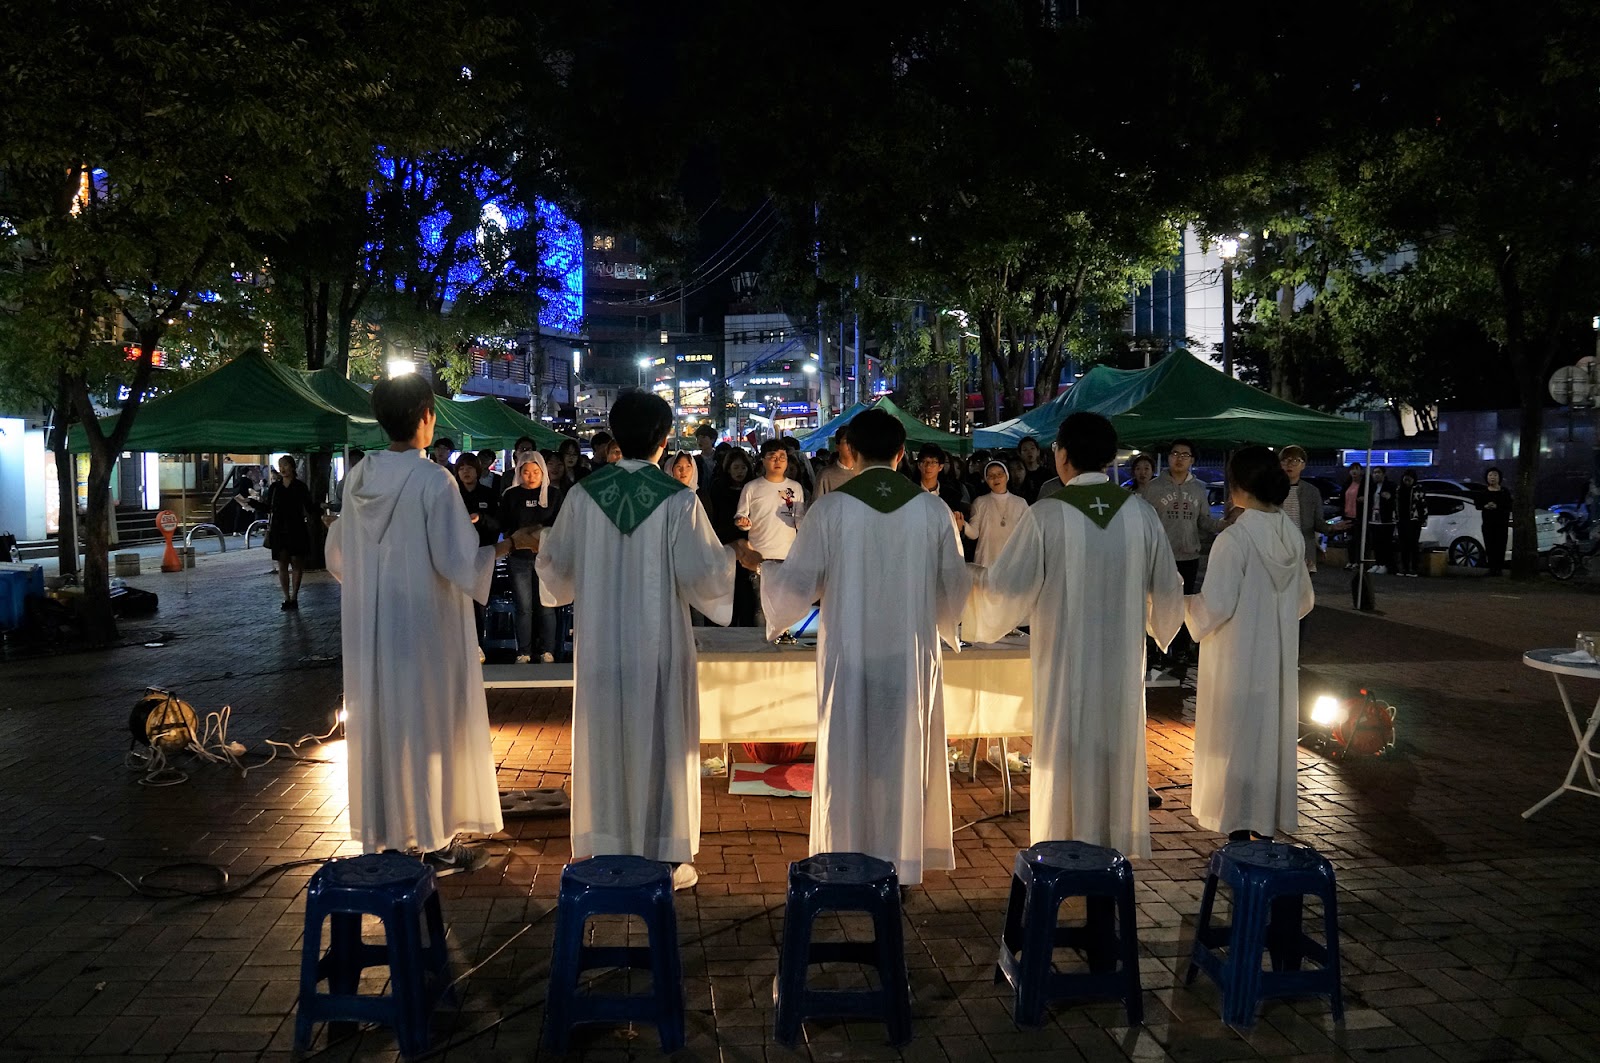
pixel 1247 709
pixel 636 698
pixel 419 759
pixel 891 586
pixel 1089 596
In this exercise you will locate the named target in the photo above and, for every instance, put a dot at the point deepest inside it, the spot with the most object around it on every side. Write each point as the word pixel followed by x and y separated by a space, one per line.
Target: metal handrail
pixel 252 530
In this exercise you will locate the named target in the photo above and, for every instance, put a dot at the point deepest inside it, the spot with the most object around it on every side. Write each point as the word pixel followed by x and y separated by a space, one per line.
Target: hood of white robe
pixel 373 488
pixel 1279 543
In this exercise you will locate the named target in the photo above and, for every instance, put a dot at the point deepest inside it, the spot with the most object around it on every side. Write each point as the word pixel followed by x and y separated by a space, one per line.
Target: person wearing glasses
pixel 1304 502
pixel 1185 511
pixel 772 505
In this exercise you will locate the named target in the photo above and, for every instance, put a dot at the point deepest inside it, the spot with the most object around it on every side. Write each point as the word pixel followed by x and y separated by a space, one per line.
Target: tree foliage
pixel 142 146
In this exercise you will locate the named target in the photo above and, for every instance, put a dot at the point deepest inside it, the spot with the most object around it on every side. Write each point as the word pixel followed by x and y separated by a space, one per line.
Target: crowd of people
pixel 643 540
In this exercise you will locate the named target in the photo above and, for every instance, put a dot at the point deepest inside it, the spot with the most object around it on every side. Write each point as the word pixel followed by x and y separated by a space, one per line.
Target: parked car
pixel 1332 493
pixel 1455 523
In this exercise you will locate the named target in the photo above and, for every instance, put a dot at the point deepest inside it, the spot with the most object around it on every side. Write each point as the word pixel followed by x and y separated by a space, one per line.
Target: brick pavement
pixel 1469 934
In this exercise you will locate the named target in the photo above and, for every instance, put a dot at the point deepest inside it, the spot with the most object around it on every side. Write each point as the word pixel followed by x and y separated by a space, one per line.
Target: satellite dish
pixel 1572 386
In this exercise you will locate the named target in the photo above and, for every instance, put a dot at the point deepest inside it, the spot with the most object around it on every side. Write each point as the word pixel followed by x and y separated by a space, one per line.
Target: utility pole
pixel 856 391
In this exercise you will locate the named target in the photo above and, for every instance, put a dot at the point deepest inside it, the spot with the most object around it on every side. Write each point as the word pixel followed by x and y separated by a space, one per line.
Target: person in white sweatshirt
pixel 1246 621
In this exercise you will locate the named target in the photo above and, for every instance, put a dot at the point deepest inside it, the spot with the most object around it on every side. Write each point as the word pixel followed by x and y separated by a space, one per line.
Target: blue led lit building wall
pixel 560 269
pixel 472 246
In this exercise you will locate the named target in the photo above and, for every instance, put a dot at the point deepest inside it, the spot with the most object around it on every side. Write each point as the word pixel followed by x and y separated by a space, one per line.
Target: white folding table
pixel 1545 660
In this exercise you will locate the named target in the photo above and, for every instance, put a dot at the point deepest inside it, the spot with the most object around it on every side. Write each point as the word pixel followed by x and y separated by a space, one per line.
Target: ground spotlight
pixel 1361 725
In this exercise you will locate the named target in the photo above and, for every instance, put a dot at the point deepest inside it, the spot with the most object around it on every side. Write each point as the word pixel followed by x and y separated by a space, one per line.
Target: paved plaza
pixel 1468 933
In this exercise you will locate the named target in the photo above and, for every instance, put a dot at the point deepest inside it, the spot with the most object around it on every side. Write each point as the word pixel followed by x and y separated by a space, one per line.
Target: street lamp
pixel 644 363
pixel 1227 248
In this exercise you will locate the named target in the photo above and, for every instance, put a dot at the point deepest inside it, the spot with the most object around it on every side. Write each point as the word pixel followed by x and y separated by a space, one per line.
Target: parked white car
pixel 1455 524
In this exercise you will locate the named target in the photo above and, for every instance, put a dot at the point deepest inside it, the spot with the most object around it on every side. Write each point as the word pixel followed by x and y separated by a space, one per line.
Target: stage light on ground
pixel 1361 725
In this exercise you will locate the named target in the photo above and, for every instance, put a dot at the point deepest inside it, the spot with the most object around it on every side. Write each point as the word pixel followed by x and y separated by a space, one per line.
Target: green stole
pixel 627 498
pixel 1098 502
pixel 883 489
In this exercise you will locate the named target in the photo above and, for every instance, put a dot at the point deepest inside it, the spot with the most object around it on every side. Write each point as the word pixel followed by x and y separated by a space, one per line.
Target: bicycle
pixel 1566 558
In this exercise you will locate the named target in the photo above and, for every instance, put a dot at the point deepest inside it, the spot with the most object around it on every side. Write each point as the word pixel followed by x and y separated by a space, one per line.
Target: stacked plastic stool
pixel 399 890
pixel 843 882
pixel 1045 876
pixel 1269 882
pixel 615 885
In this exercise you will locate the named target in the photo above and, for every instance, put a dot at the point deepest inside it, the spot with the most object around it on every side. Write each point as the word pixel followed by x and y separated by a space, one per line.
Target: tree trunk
pixel 989 364
pixel 1011 382
pixel 1524 537
pixel 99 623
pixel 66 488
pixel 66 481
pixel 1529 366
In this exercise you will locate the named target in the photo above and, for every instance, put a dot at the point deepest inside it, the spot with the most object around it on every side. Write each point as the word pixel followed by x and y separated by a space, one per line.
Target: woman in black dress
pixel 1496 507
pixel 290 512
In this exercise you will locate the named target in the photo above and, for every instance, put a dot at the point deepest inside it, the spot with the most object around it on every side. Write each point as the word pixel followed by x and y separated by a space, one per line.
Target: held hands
pixel 742 523
pixel 328 519
pixel 473 517
pixel 746 555
pixel 527 538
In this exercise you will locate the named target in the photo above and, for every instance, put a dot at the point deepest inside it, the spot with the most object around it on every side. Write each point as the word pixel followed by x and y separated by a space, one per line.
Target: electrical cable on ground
pixel 139 884
pixel 213 746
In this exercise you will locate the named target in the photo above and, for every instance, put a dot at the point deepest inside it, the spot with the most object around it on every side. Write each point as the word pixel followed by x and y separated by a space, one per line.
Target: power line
pixel 669 294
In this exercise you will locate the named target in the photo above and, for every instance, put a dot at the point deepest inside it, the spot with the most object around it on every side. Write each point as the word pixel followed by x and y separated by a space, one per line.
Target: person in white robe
pixel 634 550
pixel 994 515
pixel 877 552
pixel 419 760
pixel 1090 570
pixel 1246 618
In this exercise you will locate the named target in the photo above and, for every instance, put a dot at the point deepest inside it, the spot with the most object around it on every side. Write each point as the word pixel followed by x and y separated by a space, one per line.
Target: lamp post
pixel 1227 248
pixel 644 363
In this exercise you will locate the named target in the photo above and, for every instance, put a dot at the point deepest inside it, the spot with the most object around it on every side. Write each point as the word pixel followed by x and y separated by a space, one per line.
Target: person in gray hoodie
pixel 1185 511
pixel 1248 703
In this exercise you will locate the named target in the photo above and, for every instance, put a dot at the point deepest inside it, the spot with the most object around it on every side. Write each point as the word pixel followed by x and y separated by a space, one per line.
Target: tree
pixel 140 145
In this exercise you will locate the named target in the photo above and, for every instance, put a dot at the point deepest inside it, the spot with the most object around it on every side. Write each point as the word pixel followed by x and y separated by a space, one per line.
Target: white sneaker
pixel 523 658
pixel 547 658
pixel 684 876
pixel 1379 570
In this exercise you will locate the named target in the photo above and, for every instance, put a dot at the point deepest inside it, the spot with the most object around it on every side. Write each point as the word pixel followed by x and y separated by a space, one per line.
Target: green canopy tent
pixel 822 436
pixel 918 433
pixel 491 421
pixel 1182 397
pixel 250 405
pixel 471 423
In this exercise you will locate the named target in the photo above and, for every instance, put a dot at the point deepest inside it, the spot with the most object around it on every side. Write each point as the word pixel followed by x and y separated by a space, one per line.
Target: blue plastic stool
pixel 843 882
pixel 1269 881
pixel 399 890
pixel 1045 875
pixel 615 885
